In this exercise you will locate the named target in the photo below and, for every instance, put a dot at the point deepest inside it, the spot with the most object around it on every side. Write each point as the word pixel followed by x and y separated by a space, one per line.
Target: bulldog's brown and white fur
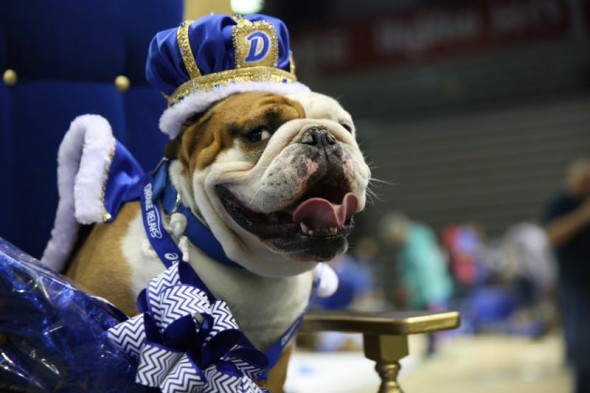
pixel 244 167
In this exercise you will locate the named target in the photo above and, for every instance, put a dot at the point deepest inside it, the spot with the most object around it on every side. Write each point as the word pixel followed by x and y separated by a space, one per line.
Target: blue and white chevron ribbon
pixel 186 342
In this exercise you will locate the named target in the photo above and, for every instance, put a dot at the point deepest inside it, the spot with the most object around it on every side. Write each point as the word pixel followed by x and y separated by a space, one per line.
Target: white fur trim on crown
pixel 173 117
pixel 85 152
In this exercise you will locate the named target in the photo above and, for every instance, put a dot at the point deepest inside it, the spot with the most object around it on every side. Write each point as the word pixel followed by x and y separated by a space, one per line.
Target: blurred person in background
pixel 529 268
pixel 567 223
pixel 354 291
pixel 365 251
pixel 423 280
pixel 354 283
pixel 464 247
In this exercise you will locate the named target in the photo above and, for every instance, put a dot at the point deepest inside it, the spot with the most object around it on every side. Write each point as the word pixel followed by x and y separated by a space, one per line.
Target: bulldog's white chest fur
pixel 263 307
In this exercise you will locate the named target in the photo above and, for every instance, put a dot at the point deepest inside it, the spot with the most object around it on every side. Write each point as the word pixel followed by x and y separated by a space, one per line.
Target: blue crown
pixel 206 60
pixel 220 53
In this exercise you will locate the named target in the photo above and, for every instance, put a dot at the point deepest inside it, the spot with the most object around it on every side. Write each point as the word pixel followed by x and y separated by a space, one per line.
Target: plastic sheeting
pixel 52 334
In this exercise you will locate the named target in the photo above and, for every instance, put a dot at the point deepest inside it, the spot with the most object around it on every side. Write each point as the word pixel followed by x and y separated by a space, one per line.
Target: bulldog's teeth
pixel 304 228
pixel 321 231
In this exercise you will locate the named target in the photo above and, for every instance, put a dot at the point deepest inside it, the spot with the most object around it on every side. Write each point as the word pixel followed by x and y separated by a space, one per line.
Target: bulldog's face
pixel 277 179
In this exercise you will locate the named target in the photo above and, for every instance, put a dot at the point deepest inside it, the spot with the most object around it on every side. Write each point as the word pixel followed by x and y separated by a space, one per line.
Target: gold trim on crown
pixel 225 78
pixel 291 63
pixel 185 50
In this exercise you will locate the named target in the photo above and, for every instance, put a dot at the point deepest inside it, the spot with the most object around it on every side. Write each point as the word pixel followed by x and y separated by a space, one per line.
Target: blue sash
pixel 196 231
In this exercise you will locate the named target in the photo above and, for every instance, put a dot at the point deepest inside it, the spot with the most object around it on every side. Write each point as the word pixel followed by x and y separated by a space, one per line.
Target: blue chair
pixel 59 60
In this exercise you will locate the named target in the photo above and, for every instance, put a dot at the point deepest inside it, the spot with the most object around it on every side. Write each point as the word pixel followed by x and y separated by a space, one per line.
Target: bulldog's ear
pixel 173 148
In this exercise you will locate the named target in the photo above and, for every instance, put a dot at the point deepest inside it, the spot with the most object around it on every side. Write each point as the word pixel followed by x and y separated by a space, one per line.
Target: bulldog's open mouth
pixel 316 225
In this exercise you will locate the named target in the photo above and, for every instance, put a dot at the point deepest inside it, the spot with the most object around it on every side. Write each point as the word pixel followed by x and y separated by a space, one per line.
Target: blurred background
pixel 469 112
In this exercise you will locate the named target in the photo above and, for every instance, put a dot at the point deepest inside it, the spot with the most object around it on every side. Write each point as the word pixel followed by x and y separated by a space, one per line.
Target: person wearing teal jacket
pixel 423 280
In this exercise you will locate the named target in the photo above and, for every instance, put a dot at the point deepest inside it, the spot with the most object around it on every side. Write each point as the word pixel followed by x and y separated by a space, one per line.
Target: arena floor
pixel 463 364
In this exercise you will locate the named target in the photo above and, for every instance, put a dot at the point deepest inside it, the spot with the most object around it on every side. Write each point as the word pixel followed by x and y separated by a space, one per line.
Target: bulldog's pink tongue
pixel 319 213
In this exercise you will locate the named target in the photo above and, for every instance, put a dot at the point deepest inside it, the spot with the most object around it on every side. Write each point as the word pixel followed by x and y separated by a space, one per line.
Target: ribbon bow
pixel 186 341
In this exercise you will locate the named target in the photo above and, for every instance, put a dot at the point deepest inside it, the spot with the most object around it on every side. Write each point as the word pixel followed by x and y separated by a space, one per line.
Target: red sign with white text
pixel 430 33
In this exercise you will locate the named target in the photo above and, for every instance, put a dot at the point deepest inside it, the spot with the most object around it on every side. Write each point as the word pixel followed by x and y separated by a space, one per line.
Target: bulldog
pixel 277 179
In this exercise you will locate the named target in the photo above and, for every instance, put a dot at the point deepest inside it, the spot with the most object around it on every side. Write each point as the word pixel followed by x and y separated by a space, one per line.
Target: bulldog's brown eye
pixel 258 135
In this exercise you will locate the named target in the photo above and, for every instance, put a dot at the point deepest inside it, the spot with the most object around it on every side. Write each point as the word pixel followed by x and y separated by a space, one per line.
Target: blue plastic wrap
pixel 52 334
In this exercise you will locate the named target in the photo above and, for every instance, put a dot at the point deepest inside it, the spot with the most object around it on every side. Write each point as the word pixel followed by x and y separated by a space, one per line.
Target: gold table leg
pixel 386 351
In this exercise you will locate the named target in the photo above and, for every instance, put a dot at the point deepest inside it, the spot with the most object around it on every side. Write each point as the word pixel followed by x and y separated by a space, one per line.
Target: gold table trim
pixel 383 322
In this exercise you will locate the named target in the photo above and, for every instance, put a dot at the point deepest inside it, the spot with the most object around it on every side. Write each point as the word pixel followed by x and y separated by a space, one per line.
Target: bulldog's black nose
pixel 319 136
